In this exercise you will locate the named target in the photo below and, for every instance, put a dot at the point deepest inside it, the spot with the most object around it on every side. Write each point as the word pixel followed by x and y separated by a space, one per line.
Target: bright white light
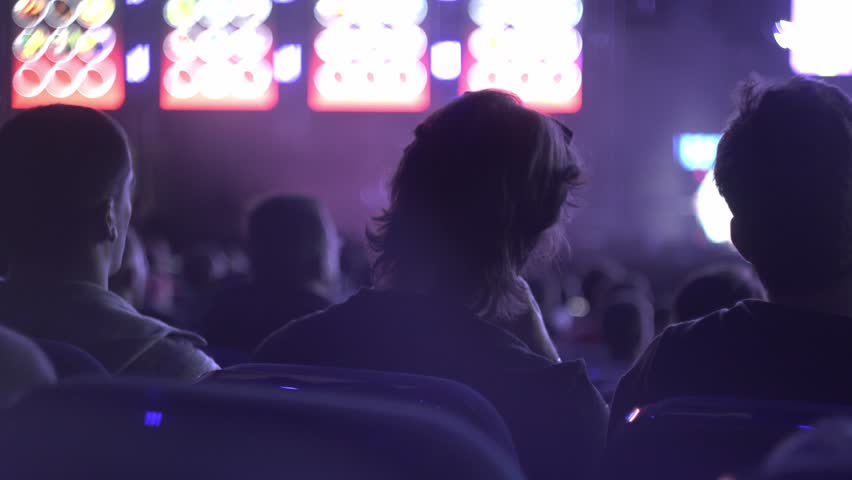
pixel 138 63
pixel 446 60
pixel 287 63
pixel 391 12
pixel 712 211
pixel 529 13
pixel 134 2
pixel 696 151
pixel 818 37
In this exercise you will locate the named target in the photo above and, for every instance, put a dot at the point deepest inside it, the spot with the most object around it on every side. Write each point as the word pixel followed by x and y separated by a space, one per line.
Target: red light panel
pixel 67 52
pixel 529 49
pixel 218 56
pixel 371 55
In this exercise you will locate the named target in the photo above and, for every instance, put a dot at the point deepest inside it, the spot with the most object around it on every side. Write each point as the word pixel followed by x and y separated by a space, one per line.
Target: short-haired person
pixel 294 252
pixel 784 166
pixel 475 192
pixel 715 288
pixel 66 181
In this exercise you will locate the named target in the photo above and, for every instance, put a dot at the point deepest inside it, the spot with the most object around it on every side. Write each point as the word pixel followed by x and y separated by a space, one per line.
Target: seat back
pixel 699 438
pixel 144 430
pixel 426 393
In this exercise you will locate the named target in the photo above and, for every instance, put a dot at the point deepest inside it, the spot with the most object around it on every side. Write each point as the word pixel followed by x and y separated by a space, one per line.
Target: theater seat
pixel 131 429
pixel 703 438
pixel 426 393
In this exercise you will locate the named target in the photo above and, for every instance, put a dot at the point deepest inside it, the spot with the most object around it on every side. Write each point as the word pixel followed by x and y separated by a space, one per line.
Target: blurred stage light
pixel 446 60
pixel 219 56
pixel 134 2
pixel 712 211
pixel 138 63
pixel 529 48
pixel 696 151
pixel 287 63
pixel 66 50
pixel 818 37
pixel 370 56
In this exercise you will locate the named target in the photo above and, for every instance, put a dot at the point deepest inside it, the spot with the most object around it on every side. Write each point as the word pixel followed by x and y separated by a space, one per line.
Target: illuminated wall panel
pixel 370 55
pixel 819 37
pixel 218 56
pixel 530 47
pixel 67 52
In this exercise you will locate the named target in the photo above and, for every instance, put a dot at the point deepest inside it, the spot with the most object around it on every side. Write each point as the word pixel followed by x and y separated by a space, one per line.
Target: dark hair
pixel 784 166
pixel 628 325
pixel 715 288
pixel 59 163
pixel 473 193
pixel 287 239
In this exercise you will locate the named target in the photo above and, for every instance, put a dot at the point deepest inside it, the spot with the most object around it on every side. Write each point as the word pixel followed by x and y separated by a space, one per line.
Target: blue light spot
pixel 806 427
pixel 696 151
pixel 135 2
pixel 153 419
pixel 288 387
pixel 138 63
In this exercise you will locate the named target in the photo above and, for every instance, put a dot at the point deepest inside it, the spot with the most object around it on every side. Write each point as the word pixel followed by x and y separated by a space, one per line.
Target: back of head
pixel 713 289
pixel 817 453
pixel 784 166
pixel 292 240
pixel 628 325
pixel 60 164
pixel 482 181
pixel 22 366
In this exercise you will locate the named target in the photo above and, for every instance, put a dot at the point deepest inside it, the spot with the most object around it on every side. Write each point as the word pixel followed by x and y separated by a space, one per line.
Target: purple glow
pixel 818 37
pixel 153 419
pixel 288 387
pixel 806 427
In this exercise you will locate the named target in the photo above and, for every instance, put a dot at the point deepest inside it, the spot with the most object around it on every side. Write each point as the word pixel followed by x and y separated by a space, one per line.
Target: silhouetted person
pixel 65 204
pixel 713 289
pixel 784 166
pixel 475 192
pixel 294 253
pixel 23 366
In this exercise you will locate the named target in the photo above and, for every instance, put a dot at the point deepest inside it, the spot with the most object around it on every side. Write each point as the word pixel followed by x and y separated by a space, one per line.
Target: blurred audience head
pixel 22 366
pixel 65 174
pixel 628 325
pixel 131 280
pixel 820 452
pixel 482 181
pixel 713 289
pixel 204 265
pixel 293 241
pixel 784 166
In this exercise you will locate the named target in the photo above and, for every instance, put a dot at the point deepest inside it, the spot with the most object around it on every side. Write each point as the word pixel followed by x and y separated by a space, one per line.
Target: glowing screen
pixel 67 51
pixel 818 37
pixel 369 55
pixel 531 48
pixel 218 56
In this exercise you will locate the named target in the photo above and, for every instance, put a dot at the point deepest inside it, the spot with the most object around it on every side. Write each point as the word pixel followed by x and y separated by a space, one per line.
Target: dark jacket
pixel 556 416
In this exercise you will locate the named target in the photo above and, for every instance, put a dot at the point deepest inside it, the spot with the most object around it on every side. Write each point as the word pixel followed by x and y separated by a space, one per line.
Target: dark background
pixel 651 69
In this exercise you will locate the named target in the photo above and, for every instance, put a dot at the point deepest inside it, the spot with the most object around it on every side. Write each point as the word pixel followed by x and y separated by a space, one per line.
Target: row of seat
pixel 281 421
pixel 258 422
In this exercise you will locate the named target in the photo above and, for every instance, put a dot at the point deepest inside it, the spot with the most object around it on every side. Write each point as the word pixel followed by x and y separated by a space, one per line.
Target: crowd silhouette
pixel 461 281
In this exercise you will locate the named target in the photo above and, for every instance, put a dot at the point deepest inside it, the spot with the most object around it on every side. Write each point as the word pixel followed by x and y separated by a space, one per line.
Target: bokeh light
pixel 370 55
pixel 529 48
pixel 66 50
pixel 219 56
pixel 712 211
